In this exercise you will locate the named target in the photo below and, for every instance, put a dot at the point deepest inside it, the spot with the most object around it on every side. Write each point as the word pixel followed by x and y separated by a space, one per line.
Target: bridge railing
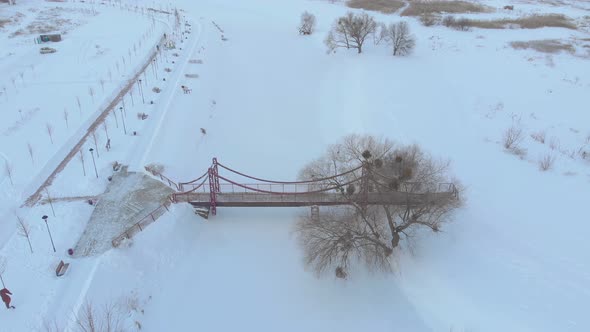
pixel 269 188
pixel 280 188
pixel 142 223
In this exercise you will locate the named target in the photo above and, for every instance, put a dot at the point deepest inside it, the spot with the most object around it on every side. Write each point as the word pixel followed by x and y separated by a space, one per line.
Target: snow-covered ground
pixel 514 259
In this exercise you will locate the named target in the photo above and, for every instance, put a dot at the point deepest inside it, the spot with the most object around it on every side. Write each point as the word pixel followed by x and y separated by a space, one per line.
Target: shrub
pixel 539 136
pixel 528 22
pixel 417 8
pixel 448 21
pixel 308 23
pixel 461 24
pixel 545 46
pixel 512 137
pixel 546 162
pixel 156 89
pixel 428 20
pixel 154 168
pixel 384 6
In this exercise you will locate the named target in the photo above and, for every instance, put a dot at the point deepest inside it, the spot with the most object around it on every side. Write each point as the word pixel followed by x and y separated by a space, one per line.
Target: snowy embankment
pixel 31 275
pixel 55 97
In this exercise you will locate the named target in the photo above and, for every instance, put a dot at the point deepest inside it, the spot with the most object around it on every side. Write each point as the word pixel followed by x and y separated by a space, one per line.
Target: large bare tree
pixel 351 31
pixel 419 186
pixel 399 37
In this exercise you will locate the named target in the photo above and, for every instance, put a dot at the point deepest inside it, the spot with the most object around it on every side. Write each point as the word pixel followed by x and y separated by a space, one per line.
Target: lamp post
pixel 122 117
pixel 48 231
pixel 93 162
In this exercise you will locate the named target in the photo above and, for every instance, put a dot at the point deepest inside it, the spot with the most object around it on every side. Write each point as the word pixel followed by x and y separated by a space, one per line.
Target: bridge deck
pixel 321 199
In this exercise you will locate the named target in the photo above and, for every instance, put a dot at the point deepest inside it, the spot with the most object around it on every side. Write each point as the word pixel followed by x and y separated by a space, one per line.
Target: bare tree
pixel 30 149
pixel 408 185
pixel 49 128
pixel 81 157
pixel 101 81
pixel 380 33
pixel 8 170
pixel 13 80
pixel 21 74
pixel 307 25
pixel 79 104
pixel 109 319
pixel 91 93
pixel 116 120
pixel 52 326
pixel 131 94
pixel 66 114
pixel 106 129
pixel 351 31
pixel 50 200
pixel 94 135
pixel 24 230
pixel 2 269
pixel 400 38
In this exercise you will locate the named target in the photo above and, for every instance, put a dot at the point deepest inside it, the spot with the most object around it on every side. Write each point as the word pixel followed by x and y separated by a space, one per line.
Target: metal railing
pixel 142 223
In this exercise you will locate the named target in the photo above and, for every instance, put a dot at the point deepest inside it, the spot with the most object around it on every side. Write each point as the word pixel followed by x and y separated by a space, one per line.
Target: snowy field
pixel 514 259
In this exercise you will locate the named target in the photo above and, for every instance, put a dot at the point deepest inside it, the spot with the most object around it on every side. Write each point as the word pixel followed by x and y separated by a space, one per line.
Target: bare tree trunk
pixel 95 144
pixel 82 161
pixel 8 169
pixel 30 149
pixel 50 200
pixel 24 231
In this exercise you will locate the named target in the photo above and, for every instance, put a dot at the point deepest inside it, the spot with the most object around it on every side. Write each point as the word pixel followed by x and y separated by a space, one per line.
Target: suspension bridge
pixel 219 187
